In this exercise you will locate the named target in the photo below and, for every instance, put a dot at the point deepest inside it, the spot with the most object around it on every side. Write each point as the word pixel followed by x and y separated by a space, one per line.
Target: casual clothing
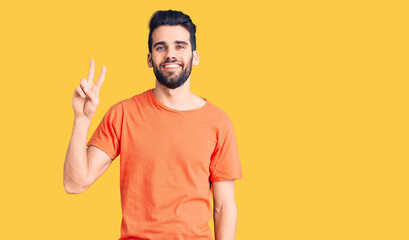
pixel 168 159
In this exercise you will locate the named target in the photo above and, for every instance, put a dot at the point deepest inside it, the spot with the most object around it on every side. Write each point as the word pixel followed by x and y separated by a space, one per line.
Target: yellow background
pixel 316 90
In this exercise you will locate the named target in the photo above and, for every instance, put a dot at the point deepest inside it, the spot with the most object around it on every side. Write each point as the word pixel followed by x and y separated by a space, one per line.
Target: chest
pixel 163 140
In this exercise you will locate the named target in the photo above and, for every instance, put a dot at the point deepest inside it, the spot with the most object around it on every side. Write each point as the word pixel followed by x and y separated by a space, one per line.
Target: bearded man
pixel 177 149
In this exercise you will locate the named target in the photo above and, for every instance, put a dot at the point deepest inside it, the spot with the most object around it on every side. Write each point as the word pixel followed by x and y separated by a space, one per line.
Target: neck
pixel 179 98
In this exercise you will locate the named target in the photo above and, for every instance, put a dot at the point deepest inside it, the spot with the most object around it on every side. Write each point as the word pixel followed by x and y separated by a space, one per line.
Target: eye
pixel 159 48
pixel 180 47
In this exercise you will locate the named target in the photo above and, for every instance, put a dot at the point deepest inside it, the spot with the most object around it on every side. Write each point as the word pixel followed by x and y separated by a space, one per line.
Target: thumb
pixel 92 96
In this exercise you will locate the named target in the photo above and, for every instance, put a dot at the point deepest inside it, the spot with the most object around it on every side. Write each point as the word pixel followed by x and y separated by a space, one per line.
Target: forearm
pixel 76 163
pixel 225 222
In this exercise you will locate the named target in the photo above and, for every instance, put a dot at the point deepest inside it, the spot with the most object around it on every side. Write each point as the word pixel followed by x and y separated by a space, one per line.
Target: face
pixel 172 57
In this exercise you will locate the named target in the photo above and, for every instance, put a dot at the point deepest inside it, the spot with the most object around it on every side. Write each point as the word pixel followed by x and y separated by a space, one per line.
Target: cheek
pixel 154 64
pixel 155 59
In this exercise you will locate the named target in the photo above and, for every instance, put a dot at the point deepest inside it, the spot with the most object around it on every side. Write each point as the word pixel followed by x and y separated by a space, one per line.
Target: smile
pixel 171 66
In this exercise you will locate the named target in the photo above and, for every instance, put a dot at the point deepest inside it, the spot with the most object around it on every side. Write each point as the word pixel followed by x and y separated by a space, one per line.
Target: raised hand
pixel 86 97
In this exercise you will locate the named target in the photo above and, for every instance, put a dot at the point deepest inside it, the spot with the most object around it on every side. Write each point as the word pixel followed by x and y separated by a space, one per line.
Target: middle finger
pixel 91 72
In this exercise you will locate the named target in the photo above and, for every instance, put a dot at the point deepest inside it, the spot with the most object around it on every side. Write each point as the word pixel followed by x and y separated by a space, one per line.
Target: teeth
pixel 171 65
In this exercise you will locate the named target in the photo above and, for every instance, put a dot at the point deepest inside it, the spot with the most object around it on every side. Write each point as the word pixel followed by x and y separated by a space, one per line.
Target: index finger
pixel 91 72
pixel 101 76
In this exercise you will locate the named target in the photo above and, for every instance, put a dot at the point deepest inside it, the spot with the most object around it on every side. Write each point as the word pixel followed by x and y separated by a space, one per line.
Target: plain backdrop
pixel 316 90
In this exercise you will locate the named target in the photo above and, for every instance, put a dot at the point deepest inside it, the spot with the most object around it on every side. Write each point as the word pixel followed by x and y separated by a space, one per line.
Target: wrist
pixel 82 120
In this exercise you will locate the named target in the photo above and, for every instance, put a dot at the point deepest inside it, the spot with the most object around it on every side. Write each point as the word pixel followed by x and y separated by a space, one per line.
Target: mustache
pixel 172 61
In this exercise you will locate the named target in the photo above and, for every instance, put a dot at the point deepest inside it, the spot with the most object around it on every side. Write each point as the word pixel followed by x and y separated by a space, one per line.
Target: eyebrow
pixel 163 43
pixel 181 42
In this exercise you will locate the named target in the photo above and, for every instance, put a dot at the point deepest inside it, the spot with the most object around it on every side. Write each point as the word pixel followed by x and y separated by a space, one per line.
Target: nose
pixel 170 54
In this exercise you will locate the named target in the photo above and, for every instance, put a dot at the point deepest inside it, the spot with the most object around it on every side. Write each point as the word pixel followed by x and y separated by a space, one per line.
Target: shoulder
pixel 128 103
pixel 219 115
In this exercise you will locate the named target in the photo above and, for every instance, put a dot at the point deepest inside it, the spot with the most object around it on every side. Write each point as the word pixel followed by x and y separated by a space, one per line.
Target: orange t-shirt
pixel 168 159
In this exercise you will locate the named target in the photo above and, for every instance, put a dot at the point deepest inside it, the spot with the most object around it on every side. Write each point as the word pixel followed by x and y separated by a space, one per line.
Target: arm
pixel 83 166
pixel 225 210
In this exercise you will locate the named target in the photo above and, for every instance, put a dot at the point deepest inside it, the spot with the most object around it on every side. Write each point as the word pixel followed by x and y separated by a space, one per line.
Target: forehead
pixel 170 34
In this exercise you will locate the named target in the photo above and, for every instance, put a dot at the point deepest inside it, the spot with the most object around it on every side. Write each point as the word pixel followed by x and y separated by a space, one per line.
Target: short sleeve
pixel 225 162
pixel 107 135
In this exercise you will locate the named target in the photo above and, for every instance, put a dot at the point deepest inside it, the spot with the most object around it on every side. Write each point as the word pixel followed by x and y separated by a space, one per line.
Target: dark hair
pixel 172 18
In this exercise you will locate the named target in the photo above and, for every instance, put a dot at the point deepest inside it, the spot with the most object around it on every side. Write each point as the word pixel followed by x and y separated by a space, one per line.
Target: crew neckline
pixel 159 104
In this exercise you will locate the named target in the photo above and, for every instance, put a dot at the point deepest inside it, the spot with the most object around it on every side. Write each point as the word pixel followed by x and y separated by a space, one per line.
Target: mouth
pixel 171 66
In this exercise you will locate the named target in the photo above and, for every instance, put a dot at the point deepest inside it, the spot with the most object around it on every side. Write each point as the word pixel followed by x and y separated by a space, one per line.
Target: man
pixel 176 148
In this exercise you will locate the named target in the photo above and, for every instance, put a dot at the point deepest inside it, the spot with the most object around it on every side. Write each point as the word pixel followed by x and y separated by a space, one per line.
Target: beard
pixel 172 79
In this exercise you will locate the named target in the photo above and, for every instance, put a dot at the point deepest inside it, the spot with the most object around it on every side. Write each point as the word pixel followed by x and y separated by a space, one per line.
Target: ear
pixel 195 58
pixel 149 60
